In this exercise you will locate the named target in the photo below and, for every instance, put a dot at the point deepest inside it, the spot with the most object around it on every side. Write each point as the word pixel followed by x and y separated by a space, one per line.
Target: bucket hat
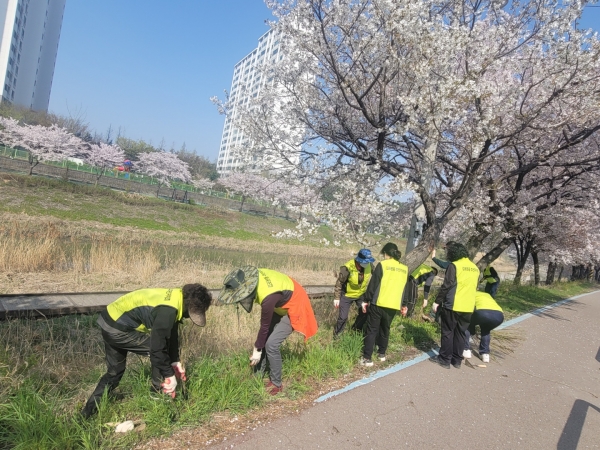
pixel 364 256
pixel 239 286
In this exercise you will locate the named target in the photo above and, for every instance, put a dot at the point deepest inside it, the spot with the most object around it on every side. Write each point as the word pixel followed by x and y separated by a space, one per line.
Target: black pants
pixel 487 320
pixel 116 345
pixel 491 288
pixel 454 325
pixel 361 320
pixel 410 296
pixel 379 321
pixel 344 309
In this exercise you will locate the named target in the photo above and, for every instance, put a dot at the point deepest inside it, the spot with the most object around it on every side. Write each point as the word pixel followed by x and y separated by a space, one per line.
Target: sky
pixel 149 67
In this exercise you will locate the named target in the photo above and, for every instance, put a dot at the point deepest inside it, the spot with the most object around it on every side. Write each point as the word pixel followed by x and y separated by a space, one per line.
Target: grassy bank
pixel 57 236
pixel 49 367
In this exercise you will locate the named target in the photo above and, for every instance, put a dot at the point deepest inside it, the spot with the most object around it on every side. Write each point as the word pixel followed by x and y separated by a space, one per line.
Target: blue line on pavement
pixel 423 356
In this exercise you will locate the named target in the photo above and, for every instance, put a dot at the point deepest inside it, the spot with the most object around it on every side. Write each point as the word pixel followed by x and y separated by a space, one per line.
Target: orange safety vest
pixel 300 312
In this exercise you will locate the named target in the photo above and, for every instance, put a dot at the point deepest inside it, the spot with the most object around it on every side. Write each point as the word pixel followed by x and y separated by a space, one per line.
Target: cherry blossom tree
pixel 245 184
pixel 10 132
pixel 102 156
pixel 51 143
pixel 426 94
pixel 164 167
pixel 203 184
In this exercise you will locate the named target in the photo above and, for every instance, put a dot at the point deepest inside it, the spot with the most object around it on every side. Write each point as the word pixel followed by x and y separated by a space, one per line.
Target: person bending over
pixel 284 307
pixel 145 322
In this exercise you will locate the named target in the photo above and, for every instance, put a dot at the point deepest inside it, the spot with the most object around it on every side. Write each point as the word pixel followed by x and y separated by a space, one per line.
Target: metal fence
pixel 83 174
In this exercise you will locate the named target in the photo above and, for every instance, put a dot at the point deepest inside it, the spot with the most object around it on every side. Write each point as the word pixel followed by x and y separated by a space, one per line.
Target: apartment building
pixel 249 78
pixel 29 33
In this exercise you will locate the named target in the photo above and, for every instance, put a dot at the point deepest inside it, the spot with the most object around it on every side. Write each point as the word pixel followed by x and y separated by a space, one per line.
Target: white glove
pixel 169 386
pixel 255 358
pixel 424 303
pixel 336 303
pixel 434 307
pixel 179 371
pixel 433 253
pixel 364 307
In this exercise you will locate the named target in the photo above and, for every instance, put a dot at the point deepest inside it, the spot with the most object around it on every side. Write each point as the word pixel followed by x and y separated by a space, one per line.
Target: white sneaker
pixel 467 354
pixel 366 362
pixel 381 357
pixel 485 357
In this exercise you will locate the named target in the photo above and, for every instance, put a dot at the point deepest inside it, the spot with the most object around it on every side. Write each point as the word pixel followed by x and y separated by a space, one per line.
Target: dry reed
pixel 50 255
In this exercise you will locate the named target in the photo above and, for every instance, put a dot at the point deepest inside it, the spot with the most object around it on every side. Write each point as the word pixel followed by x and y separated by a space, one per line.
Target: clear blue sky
pixel 151 66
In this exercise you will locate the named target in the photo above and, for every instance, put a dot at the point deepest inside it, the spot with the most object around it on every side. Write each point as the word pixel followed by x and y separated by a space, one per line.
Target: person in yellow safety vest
pixel 422 275
pixel 285 307
pixel 492 280
pixel 352 281
pixel 145 322
pixel 456 298
pixel 381 302
pixel 488 315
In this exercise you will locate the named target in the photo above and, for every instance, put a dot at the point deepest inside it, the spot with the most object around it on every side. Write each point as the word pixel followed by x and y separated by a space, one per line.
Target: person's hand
pixel 434 307
pixel 364 307
pixel 404 311
pixel 433 253
pixel 424 303
pixel 179 371
pixel 255 358
pixel 336 303
pixel 169 385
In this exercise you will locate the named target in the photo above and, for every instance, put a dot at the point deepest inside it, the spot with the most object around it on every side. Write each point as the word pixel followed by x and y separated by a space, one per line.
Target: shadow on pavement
pixel 574 426
pixel 552 313
pixel 598 355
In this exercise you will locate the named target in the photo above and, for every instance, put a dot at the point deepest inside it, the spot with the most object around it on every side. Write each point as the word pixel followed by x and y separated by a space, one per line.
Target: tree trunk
pixel 475 241
pixel 536 267
pixel 560 272
pixel 242 204
pixel 523 246
pixel 420 253
pixel 494 253
pixel 550 273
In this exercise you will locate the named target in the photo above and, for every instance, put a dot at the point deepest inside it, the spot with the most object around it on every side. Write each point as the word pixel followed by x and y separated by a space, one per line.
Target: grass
pixel 58 237
pixel 49 367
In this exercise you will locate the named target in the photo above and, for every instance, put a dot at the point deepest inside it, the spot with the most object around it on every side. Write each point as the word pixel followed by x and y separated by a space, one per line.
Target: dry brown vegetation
pixel 43 254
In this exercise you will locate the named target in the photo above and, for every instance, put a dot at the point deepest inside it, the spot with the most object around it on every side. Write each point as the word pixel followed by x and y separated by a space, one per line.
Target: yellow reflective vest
pixel 271 281
pixel 421 270
pixel 467 278
pixel 483 300
pixel 133 310
pixel 393 281
pixel 487 275
pixel 353 289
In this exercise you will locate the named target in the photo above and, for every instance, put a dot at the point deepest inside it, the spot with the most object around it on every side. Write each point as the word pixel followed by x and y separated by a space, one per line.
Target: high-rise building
pixel 29 33
pixel 249 77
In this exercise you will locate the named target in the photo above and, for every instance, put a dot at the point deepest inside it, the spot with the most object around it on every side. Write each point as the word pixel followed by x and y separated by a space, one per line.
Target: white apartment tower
pixel 29 33
pixel 248 80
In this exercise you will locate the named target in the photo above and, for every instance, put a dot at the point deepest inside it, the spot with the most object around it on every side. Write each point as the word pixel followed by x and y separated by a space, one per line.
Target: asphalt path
pixel 545 395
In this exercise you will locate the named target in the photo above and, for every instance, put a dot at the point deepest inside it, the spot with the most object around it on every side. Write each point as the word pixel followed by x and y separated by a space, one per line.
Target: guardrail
pixel 62 304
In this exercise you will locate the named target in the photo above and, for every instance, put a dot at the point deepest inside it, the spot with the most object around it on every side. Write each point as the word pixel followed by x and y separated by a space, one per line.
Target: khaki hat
pixel 239 286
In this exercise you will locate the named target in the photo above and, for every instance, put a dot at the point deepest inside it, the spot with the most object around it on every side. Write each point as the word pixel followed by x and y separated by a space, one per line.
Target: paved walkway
pixel 543 396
